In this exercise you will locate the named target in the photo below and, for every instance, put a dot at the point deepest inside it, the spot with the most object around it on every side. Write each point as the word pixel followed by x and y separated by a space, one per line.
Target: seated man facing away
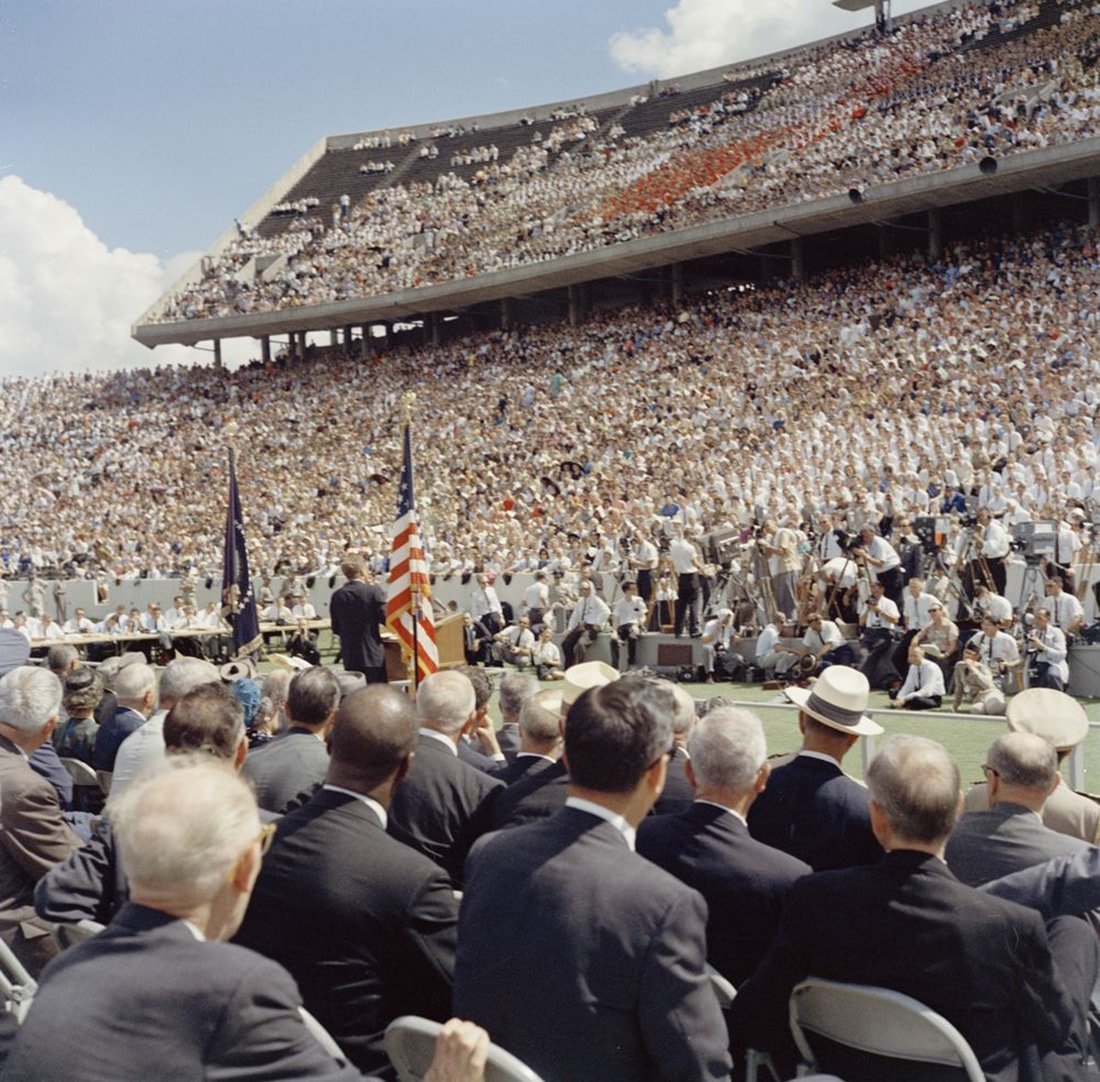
pixel 709 848
pixel 1022 771
pixel 159 994
pixel 365 925
pixel 566 911
pixel 90 885
pixel 1017 991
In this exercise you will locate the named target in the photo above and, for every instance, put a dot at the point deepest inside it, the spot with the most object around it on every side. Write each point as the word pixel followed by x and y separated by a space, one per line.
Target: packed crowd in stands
pixel 862 112
pixel 860 392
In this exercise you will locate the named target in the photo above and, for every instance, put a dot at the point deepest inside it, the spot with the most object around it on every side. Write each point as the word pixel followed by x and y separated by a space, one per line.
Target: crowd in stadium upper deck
pixel 860 113
pixel 857 391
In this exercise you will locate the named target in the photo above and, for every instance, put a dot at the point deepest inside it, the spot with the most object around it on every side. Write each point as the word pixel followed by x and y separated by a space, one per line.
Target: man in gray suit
pixel 288 769
pixel 34 836
pixel 159 994
pixel 1021 770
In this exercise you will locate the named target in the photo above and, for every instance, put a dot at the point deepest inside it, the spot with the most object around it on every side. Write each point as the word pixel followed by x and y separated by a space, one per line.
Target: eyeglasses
pixel 266 837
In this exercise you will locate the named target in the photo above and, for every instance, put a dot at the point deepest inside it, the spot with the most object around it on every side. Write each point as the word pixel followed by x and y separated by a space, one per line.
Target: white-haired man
pixel 34 836
pixel 708 847
pixel 441 791
pixel 136 691
pixel 145 745
pixel 159 994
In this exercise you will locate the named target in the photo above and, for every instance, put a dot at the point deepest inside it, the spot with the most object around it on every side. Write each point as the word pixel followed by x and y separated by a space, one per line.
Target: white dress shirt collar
pixel 441 738
pixel 616 820
pixel 363 799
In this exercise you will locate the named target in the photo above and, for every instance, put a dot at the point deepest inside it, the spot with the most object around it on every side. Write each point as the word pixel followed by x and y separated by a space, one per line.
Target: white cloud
pixel 67 300
pixel 701 34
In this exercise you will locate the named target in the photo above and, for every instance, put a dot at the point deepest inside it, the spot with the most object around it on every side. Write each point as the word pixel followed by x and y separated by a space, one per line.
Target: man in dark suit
pixel 1016 991
pixel 709 848
pixel 487 756
pixel 295 762
pixel 357 611
pixel 564 910
pixel 539 746
pixel 365 925
pixel 516 689
pixel 159 994
pixel 441 792
pixel 34 836
pixel 811 808
pixel 1022 771
pixel 678 794
pixel 136 691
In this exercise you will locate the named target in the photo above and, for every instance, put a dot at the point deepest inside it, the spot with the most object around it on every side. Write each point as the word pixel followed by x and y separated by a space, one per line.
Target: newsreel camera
pixel 932 531
pixel 1036 541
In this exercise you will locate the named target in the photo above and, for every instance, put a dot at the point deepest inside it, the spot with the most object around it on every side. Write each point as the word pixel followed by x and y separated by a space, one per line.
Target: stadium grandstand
pixel 750 171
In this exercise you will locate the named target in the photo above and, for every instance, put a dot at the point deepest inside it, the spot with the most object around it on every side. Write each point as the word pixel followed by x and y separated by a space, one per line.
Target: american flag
pixel 408 568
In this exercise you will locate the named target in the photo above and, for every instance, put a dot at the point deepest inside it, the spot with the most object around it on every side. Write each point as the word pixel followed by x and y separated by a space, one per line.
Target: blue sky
pixel 140 127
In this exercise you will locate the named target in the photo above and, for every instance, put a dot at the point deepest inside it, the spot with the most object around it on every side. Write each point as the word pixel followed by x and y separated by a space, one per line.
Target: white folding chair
pixel 17 986
pixel 723 988
pixel 410 1044
pixel 68 935
pixel 322 1036
pixel 104 779
pixel 80 772
pixel 879 1022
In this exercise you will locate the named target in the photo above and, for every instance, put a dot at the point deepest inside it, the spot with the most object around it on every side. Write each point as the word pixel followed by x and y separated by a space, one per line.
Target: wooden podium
pixel 448 641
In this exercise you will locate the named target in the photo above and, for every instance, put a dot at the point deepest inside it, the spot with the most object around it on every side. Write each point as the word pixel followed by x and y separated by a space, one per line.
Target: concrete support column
pixel 1094 202
pixel 364 341
pixel 575 295
pixel 935 233
pixel 217 353
pixel 1019 212
pixel 505 314
pixel 347 337
pixel 677 282
pixel 436 327
pixel 333 337
pixel 265 349
pixel 798 264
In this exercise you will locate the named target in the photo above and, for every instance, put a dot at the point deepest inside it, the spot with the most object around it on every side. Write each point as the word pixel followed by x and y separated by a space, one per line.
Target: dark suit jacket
pixel 607 949
pixel 145 1000
pixel 677 795
pixel 508 738
pixel 111 734
pixel 285 767
pixel 432 805
pixel 523 765
pixel 357 610
pixel 908 924
pixel 815 812
pixel 743 881
pixel 478 759
pixel 33 838
pixel 365 925
pixel 986 845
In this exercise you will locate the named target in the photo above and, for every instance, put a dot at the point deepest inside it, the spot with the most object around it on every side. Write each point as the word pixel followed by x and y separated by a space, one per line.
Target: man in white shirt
pixel 882 560
pixel 537 599
pixel 878 620
pixel 585 623
pixel 994 543
pixel 687 565
pixel 628 620
pixel 718 636
pixel 997 651
pixel 79 624
pixel 485 605
pixel 514 644
pixel 1000 608
pixel 644 562
pixel 546 656
pixel 301 609
pixel 1048 643
pixel 923 688
pixel 1065 610
pixel 769 656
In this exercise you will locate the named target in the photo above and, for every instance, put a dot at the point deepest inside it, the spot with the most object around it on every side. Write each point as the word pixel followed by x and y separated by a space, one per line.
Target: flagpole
pixel 407 401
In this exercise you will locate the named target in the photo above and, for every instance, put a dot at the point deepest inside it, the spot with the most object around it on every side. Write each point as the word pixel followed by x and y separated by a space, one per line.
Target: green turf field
pixel 967 739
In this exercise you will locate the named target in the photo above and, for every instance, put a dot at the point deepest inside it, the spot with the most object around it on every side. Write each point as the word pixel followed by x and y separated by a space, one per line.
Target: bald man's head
pixel 371 739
